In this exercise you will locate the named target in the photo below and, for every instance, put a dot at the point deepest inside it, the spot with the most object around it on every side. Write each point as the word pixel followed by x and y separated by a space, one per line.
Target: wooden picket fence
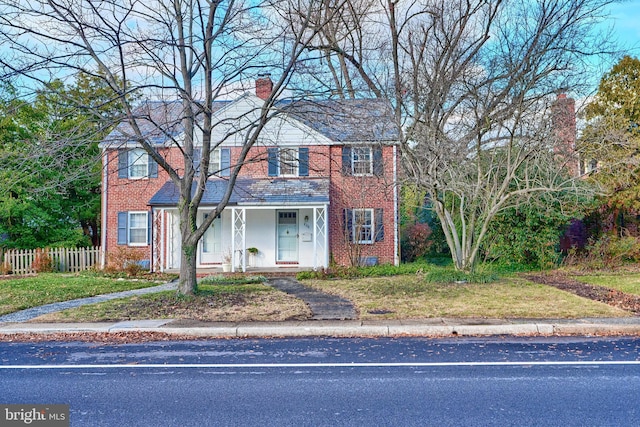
pixel 66 260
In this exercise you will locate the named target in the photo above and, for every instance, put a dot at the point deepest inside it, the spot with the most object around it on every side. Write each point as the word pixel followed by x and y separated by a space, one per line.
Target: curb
pixel 434 328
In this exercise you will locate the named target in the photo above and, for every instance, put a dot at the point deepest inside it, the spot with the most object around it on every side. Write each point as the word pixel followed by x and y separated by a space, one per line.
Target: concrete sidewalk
pixel 440 327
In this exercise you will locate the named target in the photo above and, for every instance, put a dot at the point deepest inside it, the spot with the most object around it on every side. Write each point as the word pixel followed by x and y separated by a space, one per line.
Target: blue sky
pixel 625 17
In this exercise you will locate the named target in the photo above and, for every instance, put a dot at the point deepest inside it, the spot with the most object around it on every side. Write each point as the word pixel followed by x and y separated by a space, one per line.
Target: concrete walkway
pixel 324 306
pixel 32 313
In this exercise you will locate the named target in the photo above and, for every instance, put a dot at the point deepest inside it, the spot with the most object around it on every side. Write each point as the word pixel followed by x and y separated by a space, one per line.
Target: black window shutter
pixel 153 167
pixel 346 161
pixel 272 159
pixel 378 164
pixel 379 224
pixel 303 161
pixel 123 163
pixel 122 227
pixel 348 224
pixel 225 162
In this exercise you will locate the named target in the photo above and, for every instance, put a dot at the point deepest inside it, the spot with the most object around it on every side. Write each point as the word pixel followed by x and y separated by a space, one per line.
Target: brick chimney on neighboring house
pixel 264 86
pixel 564 127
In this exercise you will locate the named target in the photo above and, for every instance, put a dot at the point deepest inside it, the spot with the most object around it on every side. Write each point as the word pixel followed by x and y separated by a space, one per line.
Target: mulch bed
pixel 603 294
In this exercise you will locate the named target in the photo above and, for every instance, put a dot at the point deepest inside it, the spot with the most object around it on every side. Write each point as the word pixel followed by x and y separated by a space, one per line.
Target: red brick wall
pixel 125 195
pixel 324 161
pixel 256 165
pixel 353 192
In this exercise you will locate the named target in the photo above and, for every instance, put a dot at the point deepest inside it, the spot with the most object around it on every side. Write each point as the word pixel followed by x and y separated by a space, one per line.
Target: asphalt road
pixel 332 382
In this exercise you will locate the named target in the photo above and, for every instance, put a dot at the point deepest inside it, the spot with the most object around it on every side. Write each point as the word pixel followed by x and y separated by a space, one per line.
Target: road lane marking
pixel 322 365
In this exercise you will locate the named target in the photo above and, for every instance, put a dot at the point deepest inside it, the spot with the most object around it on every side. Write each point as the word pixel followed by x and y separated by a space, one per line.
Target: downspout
pixel 395 206
pixel 103 210
pixel 326 237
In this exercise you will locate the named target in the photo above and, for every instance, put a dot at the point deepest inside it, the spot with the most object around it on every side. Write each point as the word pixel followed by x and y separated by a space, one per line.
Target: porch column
pixel 156 241
pixel 163 241
pixel 320 238
pixel 238 237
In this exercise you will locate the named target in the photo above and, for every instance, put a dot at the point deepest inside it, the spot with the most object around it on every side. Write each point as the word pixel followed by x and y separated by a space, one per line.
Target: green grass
pixel 627 282
pixel 412 297
pixel 231 303
pixel 26 292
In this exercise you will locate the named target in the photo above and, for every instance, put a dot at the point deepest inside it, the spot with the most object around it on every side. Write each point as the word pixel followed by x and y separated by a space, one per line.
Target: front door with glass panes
pixel 211 242
pixel 287 236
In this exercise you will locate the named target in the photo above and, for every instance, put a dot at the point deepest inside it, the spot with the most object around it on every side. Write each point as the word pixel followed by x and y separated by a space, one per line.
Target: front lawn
pixel 213 302
pixel 412 297
pixel 31 291
pixel 625 282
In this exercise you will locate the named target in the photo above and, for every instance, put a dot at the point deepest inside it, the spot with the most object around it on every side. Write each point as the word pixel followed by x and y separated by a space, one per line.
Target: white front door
pixel 211 242
pixel 287 236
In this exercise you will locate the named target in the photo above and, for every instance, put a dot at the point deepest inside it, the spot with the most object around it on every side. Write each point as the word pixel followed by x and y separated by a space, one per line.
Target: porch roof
pixel 250 191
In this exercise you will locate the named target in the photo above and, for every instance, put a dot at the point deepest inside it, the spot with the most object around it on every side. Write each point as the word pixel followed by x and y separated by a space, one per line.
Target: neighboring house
pixel 318 188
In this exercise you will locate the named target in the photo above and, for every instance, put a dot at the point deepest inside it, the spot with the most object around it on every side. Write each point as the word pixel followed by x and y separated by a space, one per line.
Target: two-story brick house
pixel 319 186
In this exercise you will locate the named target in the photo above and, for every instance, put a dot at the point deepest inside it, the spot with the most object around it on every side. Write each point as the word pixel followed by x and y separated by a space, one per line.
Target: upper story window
pixel 288 161
pixel 136 163
pixel 219 163
pixel 362 160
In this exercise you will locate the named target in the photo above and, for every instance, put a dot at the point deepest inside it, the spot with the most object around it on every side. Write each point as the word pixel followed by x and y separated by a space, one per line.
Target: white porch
pixel 286 238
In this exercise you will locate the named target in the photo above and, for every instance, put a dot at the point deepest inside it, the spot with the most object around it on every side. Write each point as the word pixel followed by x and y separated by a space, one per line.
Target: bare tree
pixel 473 84
pixel 186 51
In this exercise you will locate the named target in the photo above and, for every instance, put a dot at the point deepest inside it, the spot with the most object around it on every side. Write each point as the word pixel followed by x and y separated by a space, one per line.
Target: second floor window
pixel 135 163
pixel 288 161
pixel 362 160
pixel 138 163
pixel 219 163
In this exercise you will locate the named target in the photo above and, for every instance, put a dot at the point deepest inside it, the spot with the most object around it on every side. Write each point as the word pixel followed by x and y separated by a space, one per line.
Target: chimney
pixel 564 127
pixel 264 86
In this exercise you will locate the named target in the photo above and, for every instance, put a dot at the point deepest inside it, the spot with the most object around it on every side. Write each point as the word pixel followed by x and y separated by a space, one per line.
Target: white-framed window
pixel 138 166
pixel 138 226
pixel 133 228
pixel 363 225
pixel 285 161
pixel 219 161
pixel 288 161
pixel 361 161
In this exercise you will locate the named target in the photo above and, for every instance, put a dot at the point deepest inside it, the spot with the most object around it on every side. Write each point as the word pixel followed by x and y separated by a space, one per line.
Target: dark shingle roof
pixel 158 121
pixel 346 120
pixel 249 191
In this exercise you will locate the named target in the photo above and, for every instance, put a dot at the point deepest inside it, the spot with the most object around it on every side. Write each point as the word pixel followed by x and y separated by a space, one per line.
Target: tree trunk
pixel 187 284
